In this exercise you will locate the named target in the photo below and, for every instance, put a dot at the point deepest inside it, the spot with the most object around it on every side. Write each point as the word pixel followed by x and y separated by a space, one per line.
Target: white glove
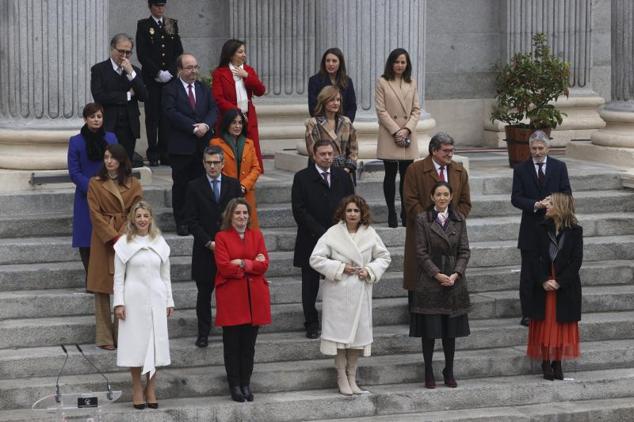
pixel 163 76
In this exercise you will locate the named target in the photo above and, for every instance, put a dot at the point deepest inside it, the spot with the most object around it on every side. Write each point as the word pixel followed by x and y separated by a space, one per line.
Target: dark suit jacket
pixel 157 48
pixel 110 89
pixel 314 205
pixel 203 216
pixel 180 117
pixel 566 264
pixel 317 82
pixel 527 190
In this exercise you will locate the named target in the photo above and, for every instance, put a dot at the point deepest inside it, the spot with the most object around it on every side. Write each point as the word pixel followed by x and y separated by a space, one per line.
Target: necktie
pixel 441 174
pixel 324 174
pixel 192 99
pixel 215 184
pixel 160 23
pixel 540 173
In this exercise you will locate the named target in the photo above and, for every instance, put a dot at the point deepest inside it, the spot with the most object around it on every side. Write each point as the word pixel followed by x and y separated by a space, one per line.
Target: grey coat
pixel 444 251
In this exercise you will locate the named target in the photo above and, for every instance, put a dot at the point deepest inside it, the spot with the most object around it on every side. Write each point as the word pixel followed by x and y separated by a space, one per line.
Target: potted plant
pixel 525 91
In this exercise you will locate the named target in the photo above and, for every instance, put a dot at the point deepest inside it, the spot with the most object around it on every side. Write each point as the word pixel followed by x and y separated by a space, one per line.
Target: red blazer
pixel 242 295
pixel 223 88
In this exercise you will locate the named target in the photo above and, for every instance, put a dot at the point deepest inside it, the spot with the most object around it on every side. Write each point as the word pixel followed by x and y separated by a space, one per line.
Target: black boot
pixel 236 394
pixel 392 221
pixel 547 370
pixel 558 372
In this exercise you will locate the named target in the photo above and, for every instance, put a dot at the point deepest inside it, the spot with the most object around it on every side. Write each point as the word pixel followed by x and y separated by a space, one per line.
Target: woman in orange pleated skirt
pixel 555 306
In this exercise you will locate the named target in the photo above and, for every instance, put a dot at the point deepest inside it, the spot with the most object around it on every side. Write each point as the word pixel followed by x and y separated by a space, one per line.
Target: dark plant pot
pixel 517 143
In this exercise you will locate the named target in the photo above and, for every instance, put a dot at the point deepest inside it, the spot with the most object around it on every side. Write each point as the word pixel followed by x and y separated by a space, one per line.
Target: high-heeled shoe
pixel 558 372
pixel 392 221
pixel 430 382
pixel 152 405
pixel 547 370
pixel 236 394
pixel 139 406
pixel 450 381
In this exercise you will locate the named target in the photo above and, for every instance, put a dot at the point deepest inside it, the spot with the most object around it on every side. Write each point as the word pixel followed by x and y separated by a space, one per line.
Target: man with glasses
pixel 207 197
pixel 190 114
pixel 158 46
pixel 117 85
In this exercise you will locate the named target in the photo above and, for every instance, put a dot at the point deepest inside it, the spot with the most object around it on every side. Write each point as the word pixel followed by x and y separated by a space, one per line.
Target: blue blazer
pixel 80 170
pixel 527 190
pixel 180 117
pixel 318 81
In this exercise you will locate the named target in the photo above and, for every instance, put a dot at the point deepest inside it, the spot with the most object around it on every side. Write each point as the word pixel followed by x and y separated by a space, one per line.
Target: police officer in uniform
pixel 158 46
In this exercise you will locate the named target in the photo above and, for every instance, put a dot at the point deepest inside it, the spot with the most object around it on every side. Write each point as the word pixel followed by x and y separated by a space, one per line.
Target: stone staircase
pixel 42 305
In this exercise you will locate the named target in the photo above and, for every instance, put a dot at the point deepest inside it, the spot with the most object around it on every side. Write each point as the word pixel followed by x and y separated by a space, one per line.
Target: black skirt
pixel 438 326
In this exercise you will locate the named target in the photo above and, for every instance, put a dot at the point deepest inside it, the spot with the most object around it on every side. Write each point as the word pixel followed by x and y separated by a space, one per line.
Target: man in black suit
pixel 190 113
pixel 316 193
pixel 116 84
pixel 533 181
pixel 207 197
pixel 158 46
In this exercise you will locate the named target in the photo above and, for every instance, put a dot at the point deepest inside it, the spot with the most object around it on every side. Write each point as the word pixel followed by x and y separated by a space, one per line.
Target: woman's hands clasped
pixel 362 273
pixel 447 280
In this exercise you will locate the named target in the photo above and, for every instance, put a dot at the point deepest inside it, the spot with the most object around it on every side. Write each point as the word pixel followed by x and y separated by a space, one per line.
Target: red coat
pixel 223 88
pixel 242 295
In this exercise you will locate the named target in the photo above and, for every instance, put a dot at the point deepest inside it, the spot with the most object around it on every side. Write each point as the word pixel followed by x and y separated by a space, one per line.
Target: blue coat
pixel 80 170
pixel 317 82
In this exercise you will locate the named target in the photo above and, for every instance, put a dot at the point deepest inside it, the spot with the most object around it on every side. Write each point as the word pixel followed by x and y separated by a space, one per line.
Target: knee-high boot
pixel 342 378
pixel 351 370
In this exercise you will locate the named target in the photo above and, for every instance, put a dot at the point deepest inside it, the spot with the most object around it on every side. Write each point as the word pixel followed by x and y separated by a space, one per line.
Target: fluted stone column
pixel 286 39
pixel 47 49
pixel 568 27
pixel 615 143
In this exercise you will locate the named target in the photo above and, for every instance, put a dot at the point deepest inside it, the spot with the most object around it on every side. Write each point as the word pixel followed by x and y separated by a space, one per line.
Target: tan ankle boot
pixel 352 356
pixel 342 379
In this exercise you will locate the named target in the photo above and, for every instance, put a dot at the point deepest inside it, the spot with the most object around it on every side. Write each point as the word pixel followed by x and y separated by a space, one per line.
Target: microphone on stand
pixel 58 395
pixel 110 395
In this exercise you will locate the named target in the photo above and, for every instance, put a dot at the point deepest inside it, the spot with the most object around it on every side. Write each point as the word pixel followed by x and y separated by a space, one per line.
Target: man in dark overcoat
pixel 190 114
pixel 117 85
pixel 316 194
pixel 420 178
pixel 158 45
pixel 533 181
pixel 207 197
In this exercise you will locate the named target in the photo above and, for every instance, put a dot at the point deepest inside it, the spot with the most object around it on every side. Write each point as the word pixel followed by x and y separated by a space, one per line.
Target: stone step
pixel 504 377
pixel 70 275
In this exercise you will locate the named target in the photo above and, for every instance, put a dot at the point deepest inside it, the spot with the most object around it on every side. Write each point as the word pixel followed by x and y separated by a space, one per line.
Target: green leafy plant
pixel 205 80
pixel 526 86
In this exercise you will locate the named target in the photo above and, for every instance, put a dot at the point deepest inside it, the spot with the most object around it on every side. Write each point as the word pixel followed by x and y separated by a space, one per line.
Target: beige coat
pixel 396 107
pixel 109 204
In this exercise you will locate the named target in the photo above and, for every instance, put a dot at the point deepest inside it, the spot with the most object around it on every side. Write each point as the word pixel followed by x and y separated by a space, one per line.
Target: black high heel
pixel 547 371
pixel 392 221
pixel 236 394
pixel 139 406
pixel 450 381
pixel 558 372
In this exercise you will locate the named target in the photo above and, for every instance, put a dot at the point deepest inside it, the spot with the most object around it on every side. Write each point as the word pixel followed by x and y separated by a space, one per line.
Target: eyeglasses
pixel 192 67
pixel 212 163
pixel 124 52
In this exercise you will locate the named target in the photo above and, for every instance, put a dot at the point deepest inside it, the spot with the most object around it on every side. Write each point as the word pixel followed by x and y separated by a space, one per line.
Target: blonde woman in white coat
pixel 352 257
pixel 142 302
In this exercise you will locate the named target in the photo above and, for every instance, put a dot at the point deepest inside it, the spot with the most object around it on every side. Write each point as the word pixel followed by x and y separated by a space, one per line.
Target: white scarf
pixel 241 91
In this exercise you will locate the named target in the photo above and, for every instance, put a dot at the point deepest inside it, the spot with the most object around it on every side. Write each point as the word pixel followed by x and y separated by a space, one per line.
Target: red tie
pixel 192 99
pixel 441 174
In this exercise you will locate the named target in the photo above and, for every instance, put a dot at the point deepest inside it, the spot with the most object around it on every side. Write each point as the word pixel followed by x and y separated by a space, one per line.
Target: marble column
pixel 47 49
pixel 615 143
pixel 568 28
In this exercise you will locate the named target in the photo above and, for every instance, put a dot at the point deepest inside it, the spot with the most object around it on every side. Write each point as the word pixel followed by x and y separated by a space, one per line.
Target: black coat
pixel 318 81
pixel 157 48
pixel 567 264
pixel 180 117
pixel 203 216
pixel 314 205
pixel 527 190
pixel 110 89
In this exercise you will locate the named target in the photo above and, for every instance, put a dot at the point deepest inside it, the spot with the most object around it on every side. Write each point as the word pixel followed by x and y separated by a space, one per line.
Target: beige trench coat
pixel 109 204
pixel 396 107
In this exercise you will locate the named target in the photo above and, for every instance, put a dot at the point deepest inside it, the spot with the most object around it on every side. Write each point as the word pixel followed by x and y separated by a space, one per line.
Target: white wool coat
pixel 142 285
pixel 346 299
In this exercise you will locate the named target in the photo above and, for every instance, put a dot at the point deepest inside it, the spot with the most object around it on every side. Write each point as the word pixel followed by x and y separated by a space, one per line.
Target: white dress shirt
pixel 444 170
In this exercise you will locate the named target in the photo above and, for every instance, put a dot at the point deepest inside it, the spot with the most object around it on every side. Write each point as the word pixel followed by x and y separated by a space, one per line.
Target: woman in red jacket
pixel 233 85
pixel 242 294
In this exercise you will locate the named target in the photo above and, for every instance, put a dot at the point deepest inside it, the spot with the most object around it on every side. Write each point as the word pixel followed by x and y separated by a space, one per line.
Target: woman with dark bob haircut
pixel 398 111
pixel 111 194
pixel 332 71
pixel 234 83
pixel 352 257
pixel 85 158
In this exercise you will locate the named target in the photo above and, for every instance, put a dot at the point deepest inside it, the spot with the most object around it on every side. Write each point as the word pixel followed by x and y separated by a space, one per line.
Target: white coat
pixel 142 285
pixel 346 299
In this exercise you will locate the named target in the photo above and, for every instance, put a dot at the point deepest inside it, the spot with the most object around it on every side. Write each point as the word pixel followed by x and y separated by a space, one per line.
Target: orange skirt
pixel 552 340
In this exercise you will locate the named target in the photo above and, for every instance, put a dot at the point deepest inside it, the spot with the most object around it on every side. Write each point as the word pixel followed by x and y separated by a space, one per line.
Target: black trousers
pixel 238 342
pixel 184 169
pixel 126 138
pixel 84 253
pixel 310 288
pixel 389 180
pixel 154 124
pixel 203 305
pixel 526 283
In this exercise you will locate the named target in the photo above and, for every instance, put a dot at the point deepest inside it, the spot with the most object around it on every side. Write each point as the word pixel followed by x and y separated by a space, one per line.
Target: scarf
pixel 237 146
pixel 95 143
